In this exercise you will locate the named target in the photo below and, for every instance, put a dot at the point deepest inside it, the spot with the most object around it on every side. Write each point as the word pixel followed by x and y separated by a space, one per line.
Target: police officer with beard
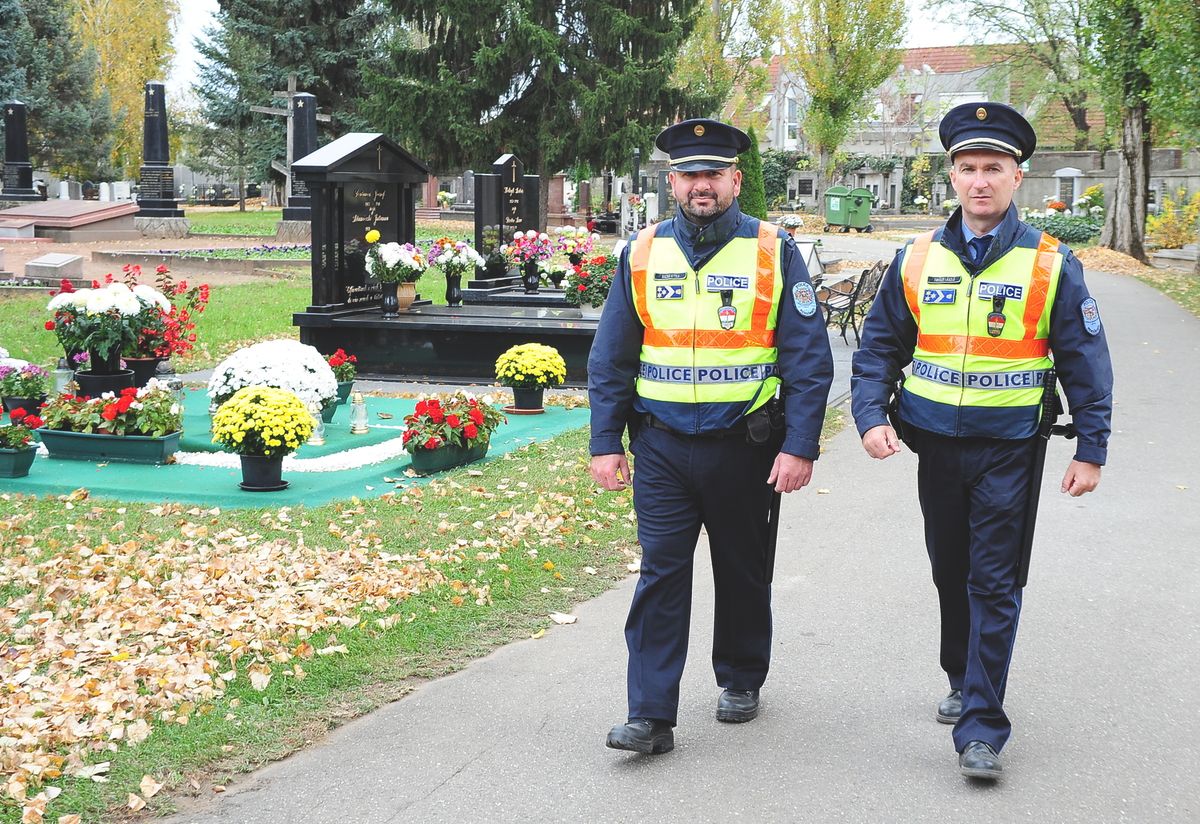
pixel 712 352
pixel 983 309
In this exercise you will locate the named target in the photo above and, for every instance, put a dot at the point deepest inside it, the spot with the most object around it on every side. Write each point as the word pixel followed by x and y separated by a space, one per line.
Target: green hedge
pixel 1067 228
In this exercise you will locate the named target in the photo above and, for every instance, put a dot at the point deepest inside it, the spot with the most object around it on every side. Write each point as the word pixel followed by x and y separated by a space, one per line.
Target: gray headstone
pixel 54 266
pixel 2 269
pixel 64 190
pixel 468 188
pixel 105 192
pixel 121 190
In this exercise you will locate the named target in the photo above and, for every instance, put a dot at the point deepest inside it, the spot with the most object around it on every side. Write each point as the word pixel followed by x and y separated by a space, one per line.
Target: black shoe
pixel 737 706
pixel 644 735
pixel 979 760
pixel 950 709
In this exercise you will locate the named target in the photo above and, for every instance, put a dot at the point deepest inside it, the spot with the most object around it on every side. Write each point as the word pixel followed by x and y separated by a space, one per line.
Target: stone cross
pixel 290 113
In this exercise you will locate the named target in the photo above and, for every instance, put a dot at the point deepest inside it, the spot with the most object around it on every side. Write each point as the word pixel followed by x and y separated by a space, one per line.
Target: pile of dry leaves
pixel 1106 260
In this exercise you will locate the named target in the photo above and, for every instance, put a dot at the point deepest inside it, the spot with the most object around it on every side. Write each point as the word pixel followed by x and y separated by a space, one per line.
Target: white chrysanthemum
pixel 151 296
pixel 409 257
pixel 283 364
pixel 391 253
pixel 67 300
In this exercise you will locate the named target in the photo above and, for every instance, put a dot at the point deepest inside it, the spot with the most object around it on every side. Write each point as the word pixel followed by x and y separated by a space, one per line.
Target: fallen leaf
pixel 538 634
pixel 822 491
pixel 136 802
pixel 260 676
pixel 149 786
pixel 69 819
pixel 590 570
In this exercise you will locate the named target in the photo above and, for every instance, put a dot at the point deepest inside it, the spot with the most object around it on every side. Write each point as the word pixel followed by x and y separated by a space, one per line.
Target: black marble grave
pixel 156 186
pixel 18 171
pixel 304 143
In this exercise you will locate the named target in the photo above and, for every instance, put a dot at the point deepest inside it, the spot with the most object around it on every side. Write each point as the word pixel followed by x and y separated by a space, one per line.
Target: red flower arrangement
pixel 151 410
pixel 343 365
pixel 458 420
pixel 589 283
pixel 175 336
pixel 19 433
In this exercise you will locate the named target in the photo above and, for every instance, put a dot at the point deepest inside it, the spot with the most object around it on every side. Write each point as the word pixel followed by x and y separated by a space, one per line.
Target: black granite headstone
pixel 506 202
pixel 156 186
pixel 357 183
pixel 304 143
pixel 666 200
pixel 18 171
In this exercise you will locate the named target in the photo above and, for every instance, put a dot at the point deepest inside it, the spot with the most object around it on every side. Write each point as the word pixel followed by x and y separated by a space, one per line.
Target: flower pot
pixel 262 473
pixel 143 369
pixel 328 410
pixel 15 463
pixel 530 277
pixel 527 398
pixel 100 364
pixel 454 290
pixel 591 312
pixel 30 405
pixel 343 393
pixel 94 384
pixel 405 295
pixel 390 303
pixel 556 278
pixel 91 446
pixel 426 461
pixel 575 258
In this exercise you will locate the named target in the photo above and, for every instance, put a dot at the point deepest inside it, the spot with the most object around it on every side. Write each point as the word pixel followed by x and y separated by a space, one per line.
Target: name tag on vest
pixel 1010 291
pixel 670 275
pixel 719 283
pixel 939 295
pixel 945 279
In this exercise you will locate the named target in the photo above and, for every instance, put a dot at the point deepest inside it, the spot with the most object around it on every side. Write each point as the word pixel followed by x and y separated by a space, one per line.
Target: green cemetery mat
pixel 218 486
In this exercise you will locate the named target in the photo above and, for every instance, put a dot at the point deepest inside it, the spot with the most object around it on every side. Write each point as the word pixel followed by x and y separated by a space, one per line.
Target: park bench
pixel 846 302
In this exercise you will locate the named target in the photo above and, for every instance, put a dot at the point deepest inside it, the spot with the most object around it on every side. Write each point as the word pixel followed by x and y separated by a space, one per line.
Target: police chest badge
pixel 995 318
pixel 805 299
pixel 727 313
pixel 1091 316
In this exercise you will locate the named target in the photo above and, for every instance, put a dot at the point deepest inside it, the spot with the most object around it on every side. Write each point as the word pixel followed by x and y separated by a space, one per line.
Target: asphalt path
pixel 1102 691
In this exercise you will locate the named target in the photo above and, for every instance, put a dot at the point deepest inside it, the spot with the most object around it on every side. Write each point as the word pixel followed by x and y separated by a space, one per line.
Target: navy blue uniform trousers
pixel 680 483
pixel 974 493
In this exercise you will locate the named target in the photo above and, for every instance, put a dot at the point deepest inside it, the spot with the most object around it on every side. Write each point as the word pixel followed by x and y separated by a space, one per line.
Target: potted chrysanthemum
pixel 530 368
pixel 345 370
pixel 455 258
pixel 262 424
pixel 528 249
pixel 284 364
pixel 23 387
pixel 101 322
pixel 397 267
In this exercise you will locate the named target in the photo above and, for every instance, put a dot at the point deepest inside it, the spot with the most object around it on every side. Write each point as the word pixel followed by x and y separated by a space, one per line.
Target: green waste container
pixel 848 209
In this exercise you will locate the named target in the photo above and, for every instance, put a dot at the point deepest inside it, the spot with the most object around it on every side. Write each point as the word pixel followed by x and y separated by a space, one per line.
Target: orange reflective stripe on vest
pixel 765 286
pixel 914 263
pixel 710 338
pixel 987 347
pixel 1039 285
pixel 639 261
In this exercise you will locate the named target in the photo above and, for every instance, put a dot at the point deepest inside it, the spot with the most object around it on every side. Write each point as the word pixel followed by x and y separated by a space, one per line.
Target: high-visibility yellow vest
pixel 709 334
pixel 969 357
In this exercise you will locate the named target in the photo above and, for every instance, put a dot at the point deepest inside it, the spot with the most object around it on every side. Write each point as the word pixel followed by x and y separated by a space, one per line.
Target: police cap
pixel 698 145
pixel 991 127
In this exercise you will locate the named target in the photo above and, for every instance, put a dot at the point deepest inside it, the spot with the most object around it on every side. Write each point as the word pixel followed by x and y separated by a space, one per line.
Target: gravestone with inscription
pixel 357 183
pixel 304 143
pixel 506 202
pixel 156 187
pixel 18 171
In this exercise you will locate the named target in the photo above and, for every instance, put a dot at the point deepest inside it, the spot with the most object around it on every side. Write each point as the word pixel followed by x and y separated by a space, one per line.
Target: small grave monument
pixel 18 171
pixel 506 202
pixel 159 215
pixel 54 267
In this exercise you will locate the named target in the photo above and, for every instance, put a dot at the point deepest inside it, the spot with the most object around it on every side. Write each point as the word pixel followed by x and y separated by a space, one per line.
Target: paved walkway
pixel 1102 691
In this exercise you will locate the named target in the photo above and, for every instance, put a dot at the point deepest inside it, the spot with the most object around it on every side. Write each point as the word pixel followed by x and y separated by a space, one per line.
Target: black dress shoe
pixel 737 706
pixel 950 709
pixel 979 760
pixel 645 735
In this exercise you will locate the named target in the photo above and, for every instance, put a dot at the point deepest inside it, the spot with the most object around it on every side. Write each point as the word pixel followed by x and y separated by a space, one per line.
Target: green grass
pixel 383 664
pixel 1181 287
pixel 248 224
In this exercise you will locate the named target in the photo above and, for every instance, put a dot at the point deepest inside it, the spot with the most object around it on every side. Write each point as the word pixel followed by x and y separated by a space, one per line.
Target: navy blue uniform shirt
pixel 1081 359
pixel 805 359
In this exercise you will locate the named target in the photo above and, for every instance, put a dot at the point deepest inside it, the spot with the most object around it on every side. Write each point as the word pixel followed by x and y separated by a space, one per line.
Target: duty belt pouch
pixel 765 424
pixel 903 431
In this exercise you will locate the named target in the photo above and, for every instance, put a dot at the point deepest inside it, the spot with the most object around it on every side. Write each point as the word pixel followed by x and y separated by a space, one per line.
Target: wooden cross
pixel 291 92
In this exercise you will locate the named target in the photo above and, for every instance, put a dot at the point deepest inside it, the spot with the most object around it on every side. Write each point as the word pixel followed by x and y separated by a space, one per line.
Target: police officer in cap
pixel 712 352
pixel 983 309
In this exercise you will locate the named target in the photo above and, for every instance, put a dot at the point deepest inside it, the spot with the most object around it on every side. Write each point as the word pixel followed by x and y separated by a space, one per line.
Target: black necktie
pixel 979 247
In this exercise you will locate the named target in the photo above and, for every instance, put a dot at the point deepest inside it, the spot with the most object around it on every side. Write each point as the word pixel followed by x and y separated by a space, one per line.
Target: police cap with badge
pixel 700 145
pixel 992 127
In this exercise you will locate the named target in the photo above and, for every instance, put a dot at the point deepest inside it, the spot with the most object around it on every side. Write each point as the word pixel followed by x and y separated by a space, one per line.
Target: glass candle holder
pixel 317 438
pixel 358 414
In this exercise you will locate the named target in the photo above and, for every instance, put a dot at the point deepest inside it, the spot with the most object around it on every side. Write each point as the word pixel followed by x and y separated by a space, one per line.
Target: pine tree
pixel 233 141
pixel 753 199
pixel 14 30
pixel 554 82
pixel 323 42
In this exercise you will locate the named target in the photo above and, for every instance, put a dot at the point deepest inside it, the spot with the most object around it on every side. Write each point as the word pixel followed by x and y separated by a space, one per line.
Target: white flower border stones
pixel 355 458
pixel 283 364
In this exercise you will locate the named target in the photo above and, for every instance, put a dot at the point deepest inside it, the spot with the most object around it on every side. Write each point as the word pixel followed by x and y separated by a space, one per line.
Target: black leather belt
pixel 738 431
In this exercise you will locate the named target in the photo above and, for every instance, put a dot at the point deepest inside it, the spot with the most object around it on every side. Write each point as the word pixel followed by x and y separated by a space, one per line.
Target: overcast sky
pixel 196 15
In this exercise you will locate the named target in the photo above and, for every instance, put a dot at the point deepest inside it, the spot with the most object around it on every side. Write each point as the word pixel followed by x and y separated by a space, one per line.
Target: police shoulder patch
pixel 805 299
pixel 1091 316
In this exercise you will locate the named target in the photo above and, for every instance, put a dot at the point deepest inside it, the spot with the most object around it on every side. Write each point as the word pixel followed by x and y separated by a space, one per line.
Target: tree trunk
pixel 543 201
pixel 1125 224
pixel 1079 113
pixel 824 176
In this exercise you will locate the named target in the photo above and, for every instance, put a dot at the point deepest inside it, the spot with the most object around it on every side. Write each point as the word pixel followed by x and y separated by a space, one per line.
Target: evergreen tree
pixel 70 124
pixel 554 82
pixel 323 42
pixel 753 198
pixel 232 141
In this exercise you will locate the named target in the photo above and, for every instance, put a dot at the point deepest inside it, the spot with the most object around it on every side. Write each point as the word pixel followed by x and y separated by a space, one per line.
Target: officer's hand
pixel 790 472
pixel 611 471
pixel 1081 477
pixel 881 441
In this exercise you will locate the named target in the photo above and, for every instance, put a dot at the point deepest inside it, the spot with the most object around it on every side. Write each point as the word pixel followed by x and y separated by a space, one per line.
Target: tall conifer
pixel 753 199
